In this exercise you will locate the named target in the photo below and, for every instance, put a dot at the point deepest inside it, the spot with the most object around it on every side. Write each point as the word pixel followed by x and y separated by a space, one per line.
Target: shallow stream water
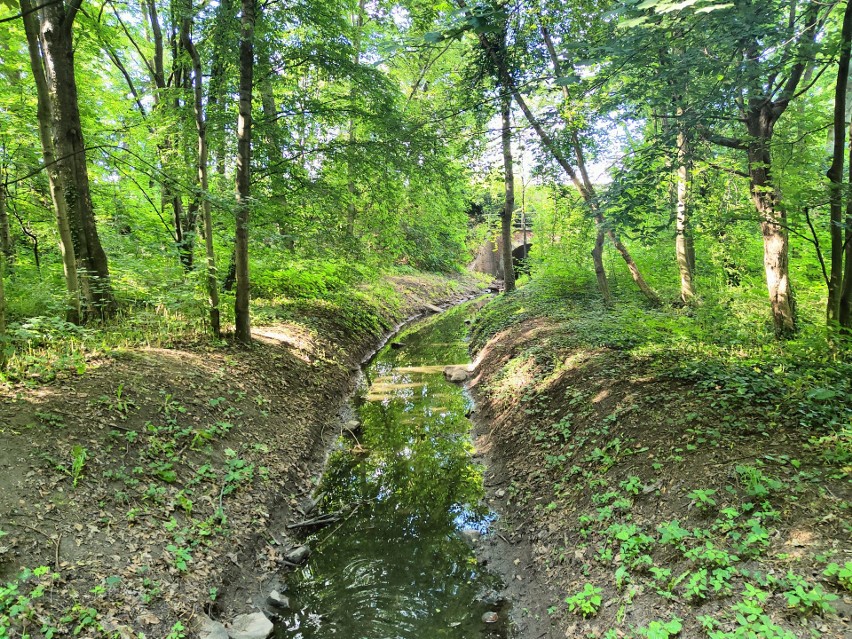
pixel 400 564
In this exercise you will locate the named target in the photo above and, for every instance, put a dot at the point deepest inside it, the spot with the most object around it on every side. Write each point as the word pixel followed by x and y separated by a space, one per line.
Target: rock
pixel 209 629
pixel 352 426
pixel 278 601
pixel 500 494
pixel 471 534
pixel 397 345
pixel 456 373
pixel 490 617
pixel 491 597
pixel 298 555
pixel 251 626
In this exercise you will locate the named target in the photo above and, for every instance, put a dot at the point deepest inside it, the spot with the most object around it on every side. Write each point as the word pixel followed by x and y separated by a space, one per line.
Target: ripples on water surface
pixel 399 566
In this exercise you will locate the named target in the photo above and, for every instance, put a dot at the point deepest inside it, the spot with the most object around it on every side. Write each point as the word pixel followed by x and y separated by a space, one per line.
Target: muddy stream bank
pixel 400 506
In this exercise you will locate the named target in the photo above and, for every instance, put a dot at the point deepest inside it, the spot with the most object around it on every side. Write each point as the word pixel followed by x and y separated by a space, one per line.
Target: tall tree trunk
pixel 846 289
pixel 70 150
pixel 241 306
pixel 683 234
pixel 3 337
pixel 66 242
pixel 509 179
pixel 6 247
pixel 773 222
pixel 351 209
pixel 760 118
pixel 835 172
pixel 579 156
pixel 203 181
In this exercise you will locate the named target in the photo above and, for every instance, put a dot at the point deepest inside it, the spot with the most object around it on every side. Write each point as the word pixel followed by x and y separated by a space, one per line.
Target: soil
pixel 189 464
pixel 564 431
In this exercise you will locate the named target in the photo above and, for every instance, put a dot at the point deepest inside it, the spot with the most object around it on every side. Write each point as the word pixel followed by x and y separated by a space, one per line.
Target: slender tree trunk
pixel 683 233
pixel 6 247
pixel 773 225
pixel 846 289
pixel 241 307
pixel 3 337
pixel 835 173
pixel 203 183
pixel 351 209
pixel 579 157
pixel 66 242
pixel 70 150
pixel 509 179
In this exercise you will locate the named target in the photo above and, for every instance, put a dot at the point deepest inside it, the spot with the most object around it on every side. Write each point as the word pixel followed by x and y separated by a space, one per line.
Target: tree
pixel 840 278
pixel 3 337
pixel 509 180
pixel 203 182
pixel 241 305
pixel 52 59
pixel 475 20
pixel 764 92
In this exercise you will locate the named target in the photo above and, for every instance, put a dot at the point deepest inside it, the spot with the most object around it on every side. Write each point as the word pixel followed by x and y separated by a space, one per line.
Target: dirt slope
pixel 157 484
pixel 649 506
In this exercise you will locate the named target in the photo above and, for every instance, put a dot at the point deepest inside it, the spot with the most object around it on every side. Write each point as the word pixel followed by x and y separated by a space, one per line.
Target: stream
pixel 400 563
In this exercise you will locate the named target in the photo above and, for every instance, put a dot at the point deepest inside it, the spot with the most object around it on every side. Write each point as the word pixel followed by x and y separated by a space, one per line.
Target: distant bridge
pixel 489 257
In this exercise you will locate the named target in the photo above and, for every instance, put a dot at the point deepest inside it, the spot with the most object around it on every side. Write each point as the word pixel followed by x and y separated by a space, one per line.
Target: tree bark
pixel 835 173
pixel 241 305
pixel 3 338
pixel 509 180
pixel 773 226
pixel 846 289
pixel 203 181
pixel 351 208
pixel 683 235
pixel 6 247
pixel 66 242
pixel 92 267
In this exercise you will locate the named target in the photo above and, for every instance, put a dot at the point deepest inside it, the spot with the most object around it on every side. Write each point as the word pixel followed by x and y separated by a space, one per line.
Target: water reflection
pixel 398 567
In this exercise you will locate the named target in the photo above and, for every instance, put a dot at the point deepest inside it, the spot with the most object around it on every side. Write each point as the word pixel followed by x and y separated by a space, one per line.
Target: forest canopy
pixel 182 157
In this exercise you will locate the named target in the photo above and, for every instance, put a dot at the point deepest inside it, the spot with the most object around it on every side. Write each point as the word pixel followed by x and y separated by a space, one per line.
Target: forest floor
pixel 158 484
pixel 636 502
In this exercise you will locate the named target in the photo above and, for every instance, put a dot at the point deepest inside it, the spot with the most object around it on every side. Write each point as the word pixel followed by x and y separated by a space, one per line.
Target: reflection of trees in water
pixel 418 466
pixel 398 567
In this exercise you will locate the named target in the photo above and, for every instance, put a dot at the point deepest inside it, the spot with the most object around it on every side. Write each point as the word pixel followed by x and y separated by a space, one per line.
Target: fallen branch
pixel 322 520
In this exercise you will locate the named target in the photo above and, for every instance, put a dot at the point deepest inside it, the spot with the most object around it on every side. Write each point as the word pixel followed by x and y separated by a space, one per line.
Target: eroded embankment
pixel 158 484
pixel 658 508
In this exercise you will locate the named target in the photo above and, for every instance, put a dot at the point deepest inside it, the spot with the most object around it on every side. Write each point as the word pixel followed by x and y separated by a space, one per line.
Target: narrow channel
pixel 400 563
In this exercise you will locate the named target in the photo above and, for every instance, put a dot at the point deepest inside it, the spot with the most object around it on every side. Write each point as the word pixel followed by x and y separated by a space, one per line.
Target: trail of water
pixel 401 565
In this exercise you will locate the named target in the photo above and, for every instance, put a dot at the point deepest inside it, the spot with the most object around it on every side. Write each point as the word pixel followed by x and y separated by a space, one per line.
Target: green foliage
pixel 703 499
pixel 843 574
pixel 805 597
pixel 661 629
pixel 756 483
pixel 79 454
pixel 587 602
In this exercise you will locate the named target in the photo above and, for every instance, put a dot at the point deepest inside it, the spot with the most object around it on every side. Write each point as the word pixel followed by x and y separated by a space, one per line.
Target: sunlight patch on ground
pixel 292 336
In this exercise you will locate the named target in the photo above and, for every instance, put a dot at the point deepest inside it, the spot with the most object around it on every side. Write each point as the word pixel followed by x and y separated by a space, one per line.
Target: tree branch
pixel 721 140
pixel 70 14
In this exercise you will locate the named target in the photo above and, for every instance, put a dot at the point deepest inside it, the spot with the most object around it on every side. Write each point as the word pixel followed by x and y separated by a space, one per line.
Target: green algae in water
pixel 398 566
